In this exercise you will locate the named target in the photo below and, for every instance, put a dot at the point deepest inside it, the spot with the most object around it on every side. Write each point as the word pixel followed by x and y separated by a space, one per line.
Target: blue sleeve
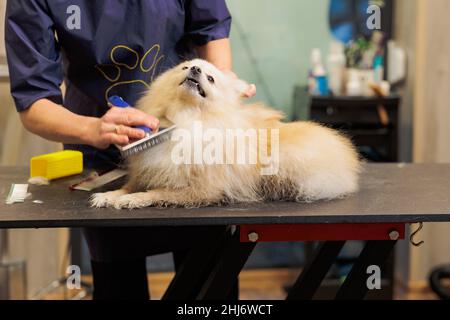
pixel 33 54
pixel 207 20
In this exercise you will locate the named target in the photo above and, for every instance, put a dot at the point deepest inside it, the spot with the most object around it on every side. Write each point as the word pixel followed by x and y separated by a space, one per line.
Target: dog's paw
pixel 106 199
pixel 133 201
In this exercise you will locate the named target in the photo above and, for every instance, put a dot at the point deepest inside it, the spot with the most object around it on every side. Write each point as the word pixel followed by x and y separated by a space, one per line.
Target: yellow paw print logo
pixel 126 62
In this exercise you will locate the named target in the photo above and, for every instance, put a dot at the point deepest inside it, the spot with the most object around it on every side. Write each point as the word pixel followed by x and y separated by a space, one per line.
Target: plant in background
pixel 361 52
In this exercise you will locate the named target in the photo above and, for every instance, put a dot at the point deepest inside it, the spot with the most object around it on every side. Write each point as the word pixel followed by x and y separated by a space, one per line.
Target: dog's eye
pixel 210 79
pixel 184 68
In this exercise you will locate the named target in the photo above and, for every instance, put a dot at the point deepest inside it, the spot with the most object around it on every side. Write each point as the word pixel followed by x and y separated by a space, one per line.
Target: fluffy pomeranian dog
pixel 300 161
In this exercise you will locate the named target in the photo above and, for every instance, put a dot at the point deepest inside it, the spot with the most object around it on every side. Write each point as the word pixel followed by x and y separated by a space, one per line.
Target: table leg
pixel 223 277
pixel 4 277
pixel 315 271
pixel 355 285
pixel 196 267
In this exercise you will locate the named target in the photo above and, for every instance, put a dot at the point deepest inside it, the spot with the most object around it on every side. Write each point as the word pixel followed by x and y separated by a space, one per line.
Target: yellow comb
pixel 57 165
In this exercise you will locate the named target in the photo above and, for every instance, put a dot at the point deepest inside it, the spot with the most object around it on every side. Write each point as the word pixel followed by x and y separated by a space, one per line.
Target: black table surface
pixel 389 193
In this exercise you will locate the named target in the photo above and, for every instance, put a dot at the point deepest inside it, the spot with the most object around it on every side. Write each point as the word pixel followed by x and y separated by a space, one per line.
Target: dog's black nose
pixel 196 70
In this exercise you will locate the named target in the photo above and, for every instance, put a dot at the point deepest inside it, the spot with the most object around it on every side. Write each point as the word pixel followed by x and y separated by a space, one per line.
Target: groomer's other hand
pixel 251 88
pixel 251 91
pixel 116 127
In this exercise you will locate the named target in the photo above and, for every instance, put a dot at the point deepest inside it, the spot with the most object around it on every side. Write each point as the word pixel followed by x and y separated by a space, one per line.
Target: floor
pixel 268 284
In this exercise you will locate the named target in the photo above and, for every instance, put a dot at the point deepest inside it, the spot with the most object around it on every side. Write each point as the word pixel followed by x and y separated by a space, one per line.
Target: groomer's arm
pixel 208 25
pixel 35 67
pixel 218 52
pixel 54 122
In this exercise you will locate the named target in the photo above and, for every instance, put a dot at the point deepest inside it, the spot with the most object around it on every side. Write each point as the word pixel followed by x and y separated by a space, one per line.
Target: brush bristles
pixel 146 145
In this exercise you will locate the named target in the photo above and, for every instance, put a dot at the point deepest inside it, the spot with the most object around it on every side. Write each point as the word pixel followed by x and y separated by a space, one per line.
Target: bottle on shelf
pixel 317 78
pixel 336 64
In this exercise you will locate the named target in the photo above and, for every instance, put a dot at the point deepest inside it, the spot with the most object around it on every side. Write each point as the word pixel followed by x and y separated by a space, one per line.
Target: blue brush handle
pixel 117 101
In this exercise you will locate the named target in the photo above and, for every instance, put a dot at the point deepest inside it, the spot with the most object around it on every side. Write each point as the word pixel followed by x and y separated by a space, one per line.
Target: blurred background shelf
pixel 373 123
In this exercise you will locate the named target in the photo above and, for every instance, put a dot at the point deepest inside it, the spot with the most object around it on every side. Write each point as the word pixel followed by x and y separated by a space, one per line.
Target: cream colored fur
pixel 315 162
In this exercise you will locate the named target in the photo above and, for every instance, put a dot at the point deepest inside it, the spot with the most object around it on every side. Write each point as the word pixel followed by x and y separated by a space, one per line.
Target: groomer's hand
pixel 116 127
pixel 251 91
pixel 251 88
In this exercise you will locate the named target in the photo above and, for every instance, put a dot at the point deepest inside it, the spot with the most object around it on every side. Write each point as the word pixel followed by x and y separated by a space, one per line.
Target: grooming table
pixel 391 197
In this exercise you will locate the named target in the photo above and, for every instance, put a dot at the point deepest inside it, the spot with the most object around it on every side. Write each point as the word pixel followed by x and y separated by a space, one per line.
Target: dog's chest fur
pixel 156 168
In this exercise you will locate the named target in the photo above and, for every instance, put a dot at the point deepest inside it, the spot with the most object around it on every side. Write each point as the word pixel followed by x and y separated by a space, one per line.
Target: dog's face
pixel 202 83
pixel 194 84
